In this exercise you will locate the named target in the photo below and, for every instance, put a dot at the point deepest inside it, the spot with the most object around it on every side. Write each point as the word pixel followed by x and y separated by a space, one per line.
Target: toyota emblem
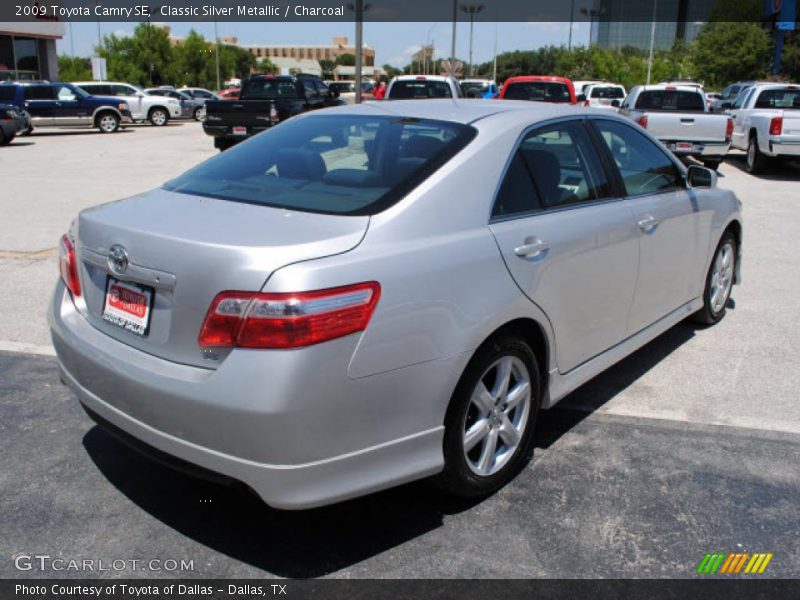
pixel 118 259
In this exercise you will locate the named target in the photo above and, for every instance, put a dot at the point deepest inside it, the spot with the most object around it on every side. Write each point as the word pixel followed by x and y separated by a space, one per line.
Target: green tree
pixel 74 68
pixel 194 62
pixel 391 71
pixel 725 52
pixel 347 60
pixel 242 59
pixel 141 58
pixel 327 67
pixel 265 65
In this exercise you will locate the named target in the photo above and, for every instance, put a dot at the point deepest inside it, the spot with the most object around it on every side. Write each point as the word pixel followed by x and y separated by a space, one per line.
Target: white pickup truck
pixel 766 123
pixel 679 117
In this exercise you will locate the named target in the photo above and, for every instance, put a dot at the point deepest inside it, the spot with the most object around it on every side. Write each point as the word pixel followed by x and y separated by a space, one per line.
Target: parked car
pixel 12 123
pixel 156 109
pixel 479 88
pixel 199 93
pixel 373 294
pixel 540 88
pixel 266 100
pixel 230 94
pixel 191 108
pixel 680 118
pixel 346 90
pixel 603 95
pixel 766 123
pixel 582 84
pixel 64 104
pixel 422 87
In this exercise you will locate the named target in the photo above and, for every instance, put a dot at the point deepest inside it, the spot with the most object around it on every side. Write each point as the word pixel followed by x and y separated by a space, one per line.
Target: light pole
pixel 359 9
pixel 571 20
pixel 216 48
pixel 471 10
pixel 99 40
pixel 453 40
pixel 652 42
pixel 592 13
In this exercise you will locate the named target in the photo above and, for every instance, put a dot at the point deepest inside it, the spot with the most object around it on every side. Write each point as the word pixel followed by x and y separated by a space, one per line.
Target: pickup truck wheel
pixel 712 164
pixel 158 116
pixel 490 421
pixel 719 282
pixel 756 162
pixel 5 140
pixel 199 113
pixel 107 122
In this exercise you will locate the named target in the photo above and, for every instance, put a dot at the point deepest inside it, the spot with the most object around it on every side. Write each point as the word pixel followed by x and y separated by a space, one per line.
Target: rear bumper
pixel 700 149
pixel 224 131
pixel 290 425
pixel 782 147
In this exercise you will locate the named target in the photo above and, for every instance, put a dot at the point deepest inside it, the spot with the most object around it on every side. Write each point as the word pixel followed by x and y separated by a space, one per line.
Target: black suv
pixel 265 101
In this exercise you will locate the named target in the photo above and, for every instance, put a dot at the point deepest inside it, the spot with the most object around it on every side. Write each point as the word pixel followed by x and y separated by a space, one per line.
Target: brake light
pixel 776 125
pixel 642 121
pixel 421 78
pixel 587 103
pixel 288 320
pixel 68 266
pixel 670 88
pixel 729 130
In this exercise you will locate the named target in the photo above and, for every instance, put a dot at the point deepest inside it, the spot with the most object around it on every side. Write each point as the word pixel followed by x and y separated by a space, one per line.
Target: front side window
pixel 419 89
pixel 516 195
pixel 333 164
pixel 644 167
pixel 122 91
pixel 65 94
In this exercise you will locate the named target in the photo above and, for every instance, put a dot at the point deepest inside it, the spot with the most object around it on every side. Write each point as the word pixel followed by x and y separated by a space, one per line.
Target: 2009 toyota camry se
pixel 373 294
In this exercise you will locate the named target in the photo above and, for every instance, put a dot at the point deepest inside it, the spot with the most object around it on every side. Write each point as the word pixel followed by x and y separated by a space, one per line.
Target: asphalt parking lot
pixel 690 445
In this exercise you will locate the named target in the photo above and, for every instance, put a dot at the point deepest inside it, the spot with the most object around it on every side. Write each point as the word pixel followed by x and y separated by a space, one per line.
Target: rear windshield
pixel 543 91
pixel 269 89
pixel 333 164
pixel 780 98
pixel 671 100
pixel 418 89
pixel 611 93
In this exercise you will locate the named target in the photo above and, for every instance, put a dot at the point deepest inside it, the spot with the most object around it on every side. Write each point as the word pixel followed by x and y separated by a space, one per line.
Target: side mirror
pixel 581 98
pixel 726 105
pixel 615 103
pixel 333 93
pixel 701 177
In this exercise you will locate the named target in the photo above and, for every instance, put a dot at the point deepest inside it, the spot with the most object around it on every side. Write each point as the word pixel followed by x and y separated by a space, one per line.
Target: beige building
pixel 339 46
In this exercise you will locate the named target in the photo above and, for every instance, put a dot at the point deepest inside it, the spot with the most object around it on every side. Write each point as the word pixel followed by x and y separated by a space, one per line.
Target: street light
pixel 571 20
pixel 359 9
pixel 652 42
pixel 216 47
pixel 471 10
pixel 592 13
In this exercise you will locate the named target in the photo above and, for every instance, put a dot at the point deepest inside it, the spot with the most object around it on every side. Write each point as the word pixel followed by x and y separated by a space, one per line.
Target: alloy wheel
pixel 721 277
pixel 108 123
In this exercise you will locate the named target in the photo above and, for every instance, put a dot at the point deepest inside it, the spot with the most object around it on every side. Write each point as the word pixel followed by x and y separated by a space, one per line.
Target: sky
pixel 394 43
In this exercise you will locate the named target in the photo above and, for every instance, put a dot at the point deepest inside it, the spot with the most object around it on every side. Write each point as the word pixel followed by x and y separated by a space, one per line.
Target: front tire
pixel 490 420
pixel 199 113
pixel 107 122
pixel 158 116
pixel 719 282
pixel 756 162
pixel 6 139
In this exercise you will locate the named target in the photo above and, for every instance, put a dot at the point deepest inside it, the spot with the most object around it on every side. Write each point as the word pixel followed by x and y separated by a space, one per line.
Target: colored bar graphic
pixel 733 562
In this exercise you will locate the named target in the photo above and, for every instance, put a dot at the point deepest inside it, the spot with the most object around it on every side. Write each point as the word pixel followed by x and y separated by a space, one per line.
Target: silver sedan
pixel 367 295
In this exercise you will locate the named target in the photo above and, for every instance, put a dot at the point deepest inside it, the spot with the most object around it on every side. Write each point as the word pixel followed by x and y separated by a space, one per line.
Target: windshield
pixel 788 97
pixel 419 89
pixel 611 93
pixel 671 100
pixel 543 91
pixel 269 89
pixel 474 85
pixel 333 164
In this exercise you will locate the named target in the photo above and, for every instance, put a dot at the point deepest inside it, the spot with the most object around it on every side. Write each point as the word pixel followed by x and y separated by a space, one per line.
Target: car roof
pixel 422 78
pixel 672 87
pixel 460 110
pixel 553 78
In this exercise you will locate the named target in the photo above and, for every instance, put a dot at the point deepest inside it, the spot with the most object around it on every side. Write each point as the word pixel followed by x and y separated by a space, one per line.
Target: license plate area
pixel 240 130
pixel 685 146
pixel 128 305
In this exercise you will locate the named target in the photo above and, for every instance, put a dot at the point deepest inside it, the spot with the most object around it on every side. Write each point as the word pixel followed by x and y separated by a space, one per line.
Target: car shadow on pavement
pixel 77 131
pixel 776 170
pixel 15 143
pixel 321 541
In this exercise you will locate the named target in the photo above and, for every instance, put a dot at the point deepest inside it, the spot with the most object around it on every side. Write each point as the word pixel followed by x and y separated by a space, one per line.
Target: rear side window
pixel 543 91
pixel 7 92
pixel 333 164
pixel 643 166
pixel 269 89
pixel 677 100
pixel 40 92
pixel 517 195
pixel 779 98
pixel 419 89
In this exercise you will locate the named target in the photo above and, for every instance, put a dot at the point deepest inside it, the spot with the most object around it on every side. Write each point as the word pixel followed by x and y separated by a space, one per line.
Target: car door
pixel 40 102
pixel 313 97
pixel 568 242
pixel 672 230
pixel 69 109
pixel 132 97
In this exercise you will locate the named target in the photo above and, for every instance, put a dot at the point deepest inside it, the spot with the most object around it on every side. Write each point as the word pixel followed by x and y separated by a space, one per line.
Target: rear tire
pixel 6 139
pixel 756 162
pixel 107 122
pixel 158 116
pixel 490 420
pixel 719 282
pixel 199 113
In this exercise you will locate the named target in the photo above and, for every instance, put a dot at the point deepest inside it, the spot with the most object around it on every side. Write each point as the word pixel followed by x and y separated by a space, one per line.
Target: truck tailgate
pixel 689 127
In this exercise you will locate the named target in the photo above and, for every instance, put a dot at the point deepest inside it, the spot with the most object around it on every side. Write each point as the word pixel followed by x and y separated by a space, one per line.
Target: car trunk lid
pixel 185 249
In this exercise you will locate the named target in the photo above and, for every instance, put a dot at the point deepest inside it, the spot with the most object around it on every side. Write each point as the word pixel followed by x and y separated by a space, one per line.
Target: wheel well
pixel 533 335
pixel 100 113
pixel 158 106
pixel 753 133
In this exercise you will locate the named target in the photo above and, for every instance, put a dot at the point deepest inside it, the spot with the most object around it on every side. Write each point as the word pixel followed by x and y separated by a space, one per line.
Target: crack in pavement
pixel 28 254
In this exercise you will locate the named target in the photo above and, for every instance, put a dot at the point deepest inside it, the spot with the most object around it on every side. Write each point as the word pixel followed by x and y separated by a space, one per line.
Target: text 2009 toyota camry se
pixel 373 294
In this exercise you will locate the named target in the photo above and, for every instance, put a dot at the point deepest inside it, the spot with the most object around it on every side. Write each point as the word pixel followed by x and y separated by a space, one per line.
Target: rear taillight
pixel 729 130
pixel 776 125
pixel 642 121
pixel 68 265
pixel 288 320
pixel 587 103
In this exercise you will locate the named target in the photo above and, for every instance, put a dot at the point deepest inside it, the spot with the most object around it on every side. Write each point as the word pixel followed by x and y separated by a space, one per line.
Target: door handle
pixel 648 223
pixel 531 248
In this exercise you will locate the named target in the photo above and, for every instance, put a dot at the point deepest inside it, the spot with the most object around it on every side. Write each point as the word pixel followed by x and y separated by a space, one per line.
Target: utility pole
pixel 494 62
pixel 571 21
pixel 471 10
pixel 453 39
pixel 216 47
pixel 652 42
